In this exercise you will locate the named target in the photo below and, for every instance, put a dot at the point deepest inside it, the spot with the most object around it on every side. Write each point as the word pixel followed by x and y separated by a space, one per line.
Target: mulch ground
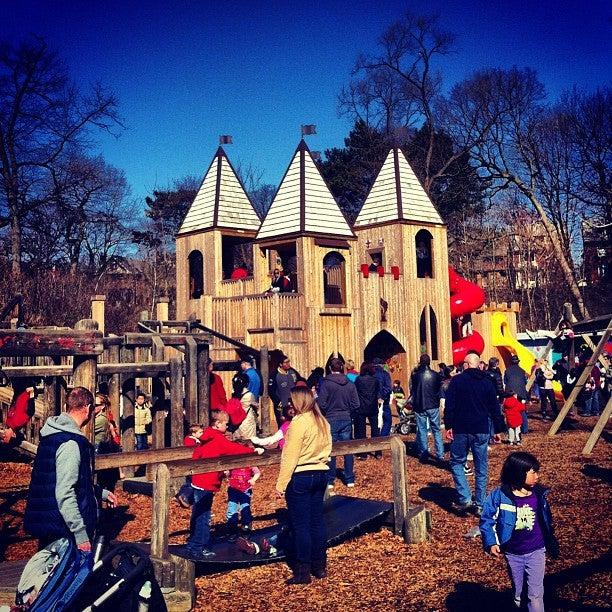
pixel 377 571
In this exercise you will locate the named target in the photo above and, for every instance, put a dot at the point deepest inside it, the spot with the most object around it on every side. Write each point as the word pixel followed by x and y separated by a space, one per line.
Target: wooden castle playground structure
pixel 171 363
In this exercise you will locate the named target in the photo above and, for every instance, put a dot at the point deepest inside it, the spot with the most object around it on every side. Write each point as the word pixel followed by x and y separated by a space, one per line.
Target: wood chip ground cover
pixel 377 571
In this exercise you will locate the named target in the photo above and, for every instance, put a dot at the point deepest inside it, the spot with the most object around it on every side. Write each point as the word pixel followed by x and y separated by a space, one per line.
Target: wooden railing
pixel 234 315
pixel 238 287
pixel 176 574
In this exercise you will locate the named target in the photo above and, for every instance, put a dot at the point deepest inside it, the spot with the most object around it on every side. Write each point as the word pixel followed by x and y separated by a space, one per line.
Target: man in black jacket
pixel 425 392
pixel 339 402
pixel 470 402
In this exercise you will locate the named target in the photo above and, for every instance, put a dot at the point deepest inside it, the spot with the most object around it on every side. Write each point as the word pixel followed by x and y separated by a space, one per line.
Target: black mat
pixel 344 517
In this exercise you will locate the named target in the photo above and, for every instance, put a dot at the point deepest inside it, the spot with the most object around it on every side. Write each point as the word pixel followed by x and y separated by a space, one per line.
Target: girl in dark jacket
pixel 368 390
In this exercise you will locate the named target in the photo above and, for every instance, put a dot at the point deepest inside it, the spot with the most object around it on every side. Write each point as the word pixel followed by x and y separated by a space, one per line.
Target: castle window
pixel 196 275
pixel 424 256
pixel 334 274
pixel 428 332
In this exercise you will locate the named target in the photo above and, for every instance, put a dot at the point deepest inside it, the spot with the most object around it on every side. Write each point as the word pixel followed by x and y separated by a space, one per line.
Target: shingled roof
pixel 221 201
pixel 303 203
pixel 396 195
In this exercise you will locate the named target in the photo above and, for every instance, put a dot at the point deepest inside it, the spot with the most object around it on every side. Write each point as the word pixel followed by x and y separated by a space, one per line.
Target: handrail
pixel 182 457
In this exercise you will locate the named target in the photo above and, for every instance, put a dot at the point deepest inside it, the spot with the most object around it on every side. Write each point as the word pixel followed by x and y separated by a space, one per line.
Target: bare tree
pixel 501 116
pixel 42 115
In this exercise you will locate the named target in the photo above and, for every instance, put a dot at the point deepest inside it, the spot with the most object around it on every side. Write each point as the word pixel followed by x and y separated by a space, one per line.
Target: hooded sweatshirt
pixel 338 397
pixel 471 400
pixel 214 444
pixel 74 487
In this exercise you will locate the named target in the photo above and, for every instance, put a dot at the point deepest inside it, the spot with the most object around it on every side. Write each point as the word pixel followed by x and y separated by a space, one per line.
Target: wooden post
pixel 191 379
pixel 97 310
pixel 161 309
pixel 52 394
pixel 85 373
pixel 161 506
pixel 400 490
pixel 599 426
pixel 159 391
pixel 114 385
pixel 176 402
pixel 203 385
pixel 569 402
pixel 128 393
pixel 264 370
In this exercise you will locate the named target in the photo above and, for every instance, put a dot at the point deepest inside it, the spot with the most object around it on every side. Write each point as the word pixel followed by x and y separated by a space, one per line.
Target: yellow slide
pixel 501 337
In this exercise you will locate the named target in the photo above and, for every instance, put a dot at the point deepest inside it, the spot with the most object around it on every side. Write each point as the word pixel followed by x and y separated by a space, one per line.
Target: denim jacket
pixel 499 518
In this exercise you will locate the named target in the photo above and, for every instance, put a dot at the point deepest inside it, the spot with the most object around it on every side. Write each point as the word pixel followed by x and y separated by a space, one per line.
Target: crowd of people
pixel 469 407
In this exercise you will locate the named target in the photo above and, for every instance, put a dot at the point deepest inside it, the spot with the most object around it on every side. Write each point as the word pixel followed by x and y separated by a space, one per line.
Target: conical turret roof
pixel 303 203
pixel 397 195
pixel 221 201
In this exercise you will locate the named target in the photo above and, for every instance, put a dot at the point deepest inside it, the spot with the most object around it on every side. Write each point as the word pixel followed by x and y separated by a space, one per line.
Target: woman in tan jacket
pixel 302 479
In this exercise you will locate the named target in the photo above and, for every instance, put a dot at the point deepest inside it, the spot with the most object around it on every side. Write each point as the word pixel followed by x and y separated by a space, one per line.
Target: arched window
pixel 428 332
pixel 196 275
pixel 334 286
pixel 424 254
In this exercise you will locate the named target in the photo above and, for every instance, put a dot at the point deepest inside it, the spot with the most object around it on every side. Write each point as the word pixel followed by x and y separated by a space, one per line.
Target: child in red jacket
pixel 214 444
pixel 19 412
pixel 185 495
pixel 513 407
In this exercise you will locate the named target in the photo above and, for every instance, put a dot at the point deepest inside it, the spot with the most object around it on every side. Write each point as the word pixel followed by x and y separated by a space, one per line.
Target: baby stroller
pixel 122 581
pixel 407 420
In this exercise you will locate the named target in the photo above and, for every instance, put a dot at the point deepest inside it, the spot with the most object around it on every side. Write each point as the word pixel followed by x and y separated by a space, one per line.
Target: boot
pixel 319 569
pixel 301 574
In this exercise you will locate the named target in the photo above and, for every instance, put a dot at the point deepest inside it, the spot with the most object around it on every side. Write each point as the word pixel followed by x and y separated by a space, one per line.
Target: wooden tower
pixel 405 305
pixel 379 288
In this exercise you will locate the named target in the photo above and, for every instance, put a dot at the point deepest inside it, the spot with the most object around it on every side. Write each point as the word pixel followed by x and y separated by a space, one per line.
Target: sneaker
pixel 330 491
pixel 470 456
pixel 350 485
pixel 378 455
pixel 250 548
pixel 468 470
pixel 266 547
pixel 462 508
pixel 424 458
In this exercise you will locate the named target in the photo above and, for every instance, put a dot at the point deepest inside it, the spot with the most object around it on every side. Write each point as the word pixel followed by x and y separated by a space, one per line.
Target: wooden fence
pixel 412 522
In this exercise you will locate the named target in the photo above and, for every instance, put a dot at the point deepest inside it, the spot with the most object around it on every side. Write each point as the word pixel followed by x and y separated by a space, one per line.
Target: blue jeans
pixel 340 431
pixel 591 406
pixel 239 507
pixel 199 528
pixel 525 423
pixel 304 496
pixel 141 442
pixel 431 416
pixel 531 566
pixel 461 444
pixel 385 430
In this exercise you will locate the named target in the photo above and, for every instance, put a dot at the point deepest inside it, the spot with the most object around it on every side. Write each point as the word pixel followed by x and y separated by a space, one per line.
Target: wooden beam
pixel 42 343
pixel 604 417
pixel 241 345
pixel 181 453
pixel 85 373
pixel 160 516
pixel 176 402
pixel 264 370
pixel 203 385
pixel 159 390
pixel 569 402
pixel 191 379
pixel 128 393
pixel 400 489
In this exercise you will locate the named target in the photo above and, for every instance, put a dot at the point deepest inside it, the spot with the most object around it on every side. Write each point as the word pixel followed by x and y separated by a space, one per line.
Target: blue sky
pixel 186 71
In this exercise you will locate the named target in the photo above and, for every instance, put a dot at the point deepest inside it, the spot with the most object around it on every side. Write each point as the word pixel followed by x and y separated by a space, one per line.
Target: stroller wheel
pixel 404 428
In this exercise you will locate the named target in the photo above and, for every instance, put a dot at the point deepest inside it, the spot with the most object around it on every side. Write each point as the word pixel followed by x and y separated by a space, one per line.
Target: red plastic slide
pixel 466 297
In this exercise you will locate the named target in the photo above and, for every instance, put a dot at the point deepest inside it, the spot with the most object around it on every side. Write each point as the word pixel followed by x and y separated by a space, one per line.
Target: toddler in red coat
pixel 513 407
